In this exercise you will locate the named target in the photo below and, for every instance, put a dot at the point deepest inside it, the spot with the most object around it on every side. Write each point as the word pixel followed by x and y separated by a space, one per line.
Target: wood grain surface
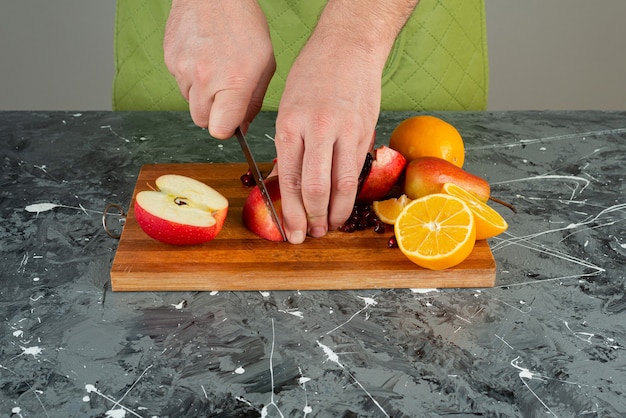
pixel 237 259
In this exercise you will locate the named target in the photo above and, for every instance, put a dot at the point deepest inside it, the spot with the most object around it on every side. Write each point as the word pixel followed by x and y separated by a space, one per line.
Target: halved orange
pixel 436 231
pixel 489 223
pixel 388 210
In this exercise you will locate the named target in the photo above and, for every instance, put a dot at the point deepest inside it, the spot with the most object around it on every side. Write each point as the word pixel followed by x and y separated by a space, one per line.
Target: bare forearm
pixel 369 26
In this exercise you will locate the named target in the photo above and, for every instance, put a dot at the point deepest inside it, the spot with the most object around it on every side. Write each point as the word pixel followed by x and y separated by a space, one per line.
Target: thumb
pixel 227 112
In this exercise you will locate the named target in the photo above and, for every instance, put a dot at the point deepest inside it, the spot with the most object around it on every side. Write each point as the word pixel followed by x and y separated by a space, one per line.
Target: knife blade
pixel 258 178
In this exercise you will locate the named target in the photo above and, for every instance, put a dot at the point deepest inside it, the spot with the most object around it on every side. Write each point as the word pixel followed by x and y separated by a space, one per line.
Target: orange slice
pixel 489 223
pixel 388 210
pixel 436 231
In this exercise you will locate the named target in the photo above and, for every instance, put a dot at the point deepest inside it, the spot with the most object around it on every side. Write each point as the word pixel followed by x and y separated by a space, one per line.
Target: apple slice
pixel 182 211
pixel 256 216
pixel 387 167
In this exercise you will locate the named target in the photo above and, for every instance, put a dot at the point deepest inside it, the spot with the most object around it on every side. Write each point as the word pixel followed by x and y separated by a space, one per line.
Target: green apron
pixel 439 60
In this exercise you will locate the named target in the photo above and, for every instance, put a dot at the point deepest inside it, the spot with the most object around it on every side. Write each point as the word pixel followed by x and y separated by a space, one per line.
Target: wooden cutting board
pixel 237 259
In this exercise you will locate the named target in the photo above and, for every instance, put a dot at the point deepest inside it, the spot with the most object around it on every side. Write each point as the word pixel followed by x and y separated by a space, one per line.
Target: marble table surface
pixel 548 340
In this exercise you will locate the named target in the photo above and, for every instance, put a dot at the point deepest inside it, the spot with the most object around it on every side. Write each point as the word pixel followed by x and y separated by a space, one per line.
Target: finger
pixel 227 112
pixel 289 150
pixel 258 94
pixel 345 179
pixel 316 181
pixel 199 106
pixel 184 87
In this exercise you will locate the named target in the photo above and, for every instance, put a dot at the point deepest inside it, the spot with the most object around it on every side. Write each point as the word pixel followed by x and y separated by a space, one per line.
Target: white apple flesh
pixel 182 211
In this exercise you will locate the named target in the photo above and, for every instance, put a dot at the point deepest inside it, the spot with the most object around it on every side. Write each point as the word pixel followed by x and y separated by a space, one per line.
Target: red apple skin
pixel 256 216
pixel 387 167
pixel 175 233
pixel 427 175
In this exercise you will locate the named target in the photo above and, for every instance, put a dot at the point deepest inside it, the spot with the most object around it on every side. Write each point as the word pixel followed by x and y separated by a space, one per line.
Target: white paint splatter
pixel 502 339
pixel 114 133
pixel 330 354
pixel 577 180
pixel 41 207
pixel 180 305
pixel 22 267
pixel 115 413
pixel 121 411
pixel 18 334
pixel 46 206
pixel 524 142
pixel 265 294
pixel 525 375
pixel 272 402
pixel 240 370
pixel 369 301
pixel 302 381
pixel 584 336
pixel 423 291
pixel 293 312
pixel 33 351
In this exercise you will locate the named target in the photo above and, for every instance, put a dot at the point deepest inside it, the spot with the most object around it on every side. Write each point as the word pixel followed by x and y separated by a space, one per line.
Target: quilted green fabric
pixel 439 61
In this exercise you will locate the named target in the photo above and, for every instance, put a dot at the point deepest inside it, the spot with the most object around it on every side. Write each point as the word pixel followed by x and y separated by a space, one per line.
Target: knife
pixel 258 178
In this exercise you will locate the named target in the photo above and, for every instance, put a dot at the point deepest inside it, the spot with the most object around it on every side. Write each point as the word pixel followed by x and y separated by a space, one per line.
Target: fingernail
pixel 297 237
pixel 318 231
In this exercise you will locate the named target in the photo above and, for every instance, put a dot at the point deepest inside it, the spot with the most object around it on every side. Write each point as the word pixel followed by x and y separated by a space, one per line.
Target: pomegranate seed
pixel 348 227
pixel 247 179
pixel 392 243
pixel 379 227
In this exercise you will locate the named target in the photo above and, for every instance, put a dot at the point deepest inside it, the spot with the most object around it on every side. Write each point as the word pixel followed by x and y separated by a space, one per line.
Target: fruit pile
pixel 443 209
pixel 415 186
pixel 418 187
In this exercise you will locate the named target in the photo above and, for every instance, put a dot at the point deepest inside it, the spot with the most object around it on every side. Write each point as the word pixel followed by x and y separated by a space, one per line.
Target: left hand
pixel 324 129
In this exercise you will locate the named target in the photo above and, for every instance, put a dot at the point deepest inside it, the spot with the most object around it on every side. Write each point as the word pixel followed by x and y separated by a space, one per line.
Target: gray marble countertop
pixel 549 340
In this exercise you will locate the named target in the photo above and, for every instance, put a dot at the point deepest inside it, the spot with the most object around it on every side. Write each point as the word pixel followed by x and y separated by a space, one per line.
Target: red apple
pixel 387 167
pixel 182 211
pixel 256 215
pixel 427 175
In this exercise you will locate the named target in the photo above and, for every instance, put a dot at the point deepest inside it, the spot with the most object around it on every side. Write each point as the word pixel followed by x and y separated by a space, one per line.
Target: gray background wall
pixel 544 54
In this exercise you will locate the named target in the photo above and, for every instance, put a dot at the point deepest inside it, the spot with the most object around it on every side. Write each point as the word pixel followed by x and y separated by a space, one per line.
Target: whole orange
pixel 428 136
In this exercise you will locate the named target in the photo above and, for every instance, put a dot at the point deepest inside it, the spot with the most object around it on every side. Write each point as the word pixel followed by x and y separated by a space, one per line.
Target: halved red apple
pixel 182 211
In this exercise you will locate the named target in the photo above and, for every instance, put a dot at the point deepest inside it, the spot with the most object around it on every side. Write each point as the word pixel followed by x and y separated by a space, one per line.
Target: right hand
pixel 221 55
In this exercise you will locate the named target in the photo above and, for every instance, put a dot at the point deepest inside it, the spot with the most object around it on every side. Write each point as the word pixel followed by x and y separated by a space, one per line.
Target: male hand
pixel 329 109
pixel 222 58
pixel 324 129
